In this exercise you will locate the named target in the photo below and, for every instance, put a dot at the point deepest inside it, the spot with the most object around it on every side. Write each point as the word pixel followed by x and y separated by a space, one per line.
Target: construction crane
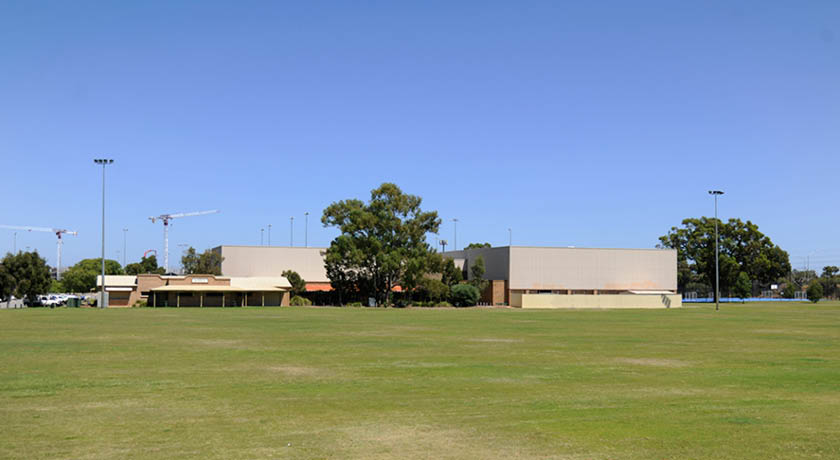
pixel 58 232
pixel 166 218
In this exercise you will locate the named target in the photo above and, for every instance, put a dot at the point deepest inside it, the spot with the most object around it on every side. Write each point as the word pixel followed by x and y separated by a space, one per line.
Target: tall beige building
pixel 535 277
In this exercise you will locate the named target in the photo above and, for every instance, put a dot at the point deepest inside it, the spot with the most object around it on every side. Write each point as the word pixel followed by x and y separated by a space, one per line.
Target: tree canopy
pixel 24 275
pixel 743 248
pixel 82 276
pixel 208 262
pixel 146 265
pixel 298 283
pixel 477 245
pixel 382 242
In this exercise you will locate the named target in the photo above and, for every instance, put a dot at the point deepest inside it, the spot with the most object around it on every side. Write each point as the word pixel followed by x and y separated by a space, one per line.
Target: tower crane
pixel 58 232
pixel 165 218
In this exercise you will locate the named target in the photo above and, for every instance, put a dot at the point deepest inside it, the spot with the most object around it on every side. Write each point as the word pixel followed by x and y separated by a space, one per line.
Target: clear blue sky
pixel 574 123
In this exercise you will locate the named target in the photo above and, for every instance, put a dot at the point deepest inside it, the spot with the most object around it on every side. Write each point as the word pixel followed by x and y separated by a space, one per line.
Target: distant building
pixel 546 277
pixel 195 290
pixel 272 261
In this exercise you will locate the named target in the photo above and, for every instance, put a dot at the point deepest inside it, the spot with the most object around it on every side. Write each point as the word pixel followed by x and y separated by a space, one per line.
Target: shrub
pixel 140 304
pixel 444 304
pixel 815 291
pixel 465 295
pixel 298 301
pixel 354 304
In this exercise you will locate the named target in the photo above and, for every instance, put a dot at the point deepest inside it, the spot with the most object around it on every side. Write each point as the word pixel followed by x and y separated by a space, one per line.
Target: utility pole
pixel 292 232
pixel 716 193
pixel 455 240
pixel 306 230
pixel 125 232
pixel 103 161
pixel 262 230
pixel 269 234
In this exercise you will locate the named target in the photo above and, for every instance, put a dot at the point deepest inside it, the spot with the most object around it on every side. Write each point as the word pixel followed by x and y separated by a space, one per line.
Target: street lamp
pixel 269 235
pixel 104 162
pixel 306 230
pixel 262 230
pixel 292 231
pixel 125 231
pixel 510 237
pixel 716 193
pixel 455 240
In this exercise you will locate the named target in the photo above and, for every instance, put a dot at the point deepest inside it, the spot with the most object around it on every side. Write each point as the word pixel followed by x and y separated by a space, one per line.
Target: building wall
pixel 592 269
pixel 273 261
pixel 496 261
pixel 596 301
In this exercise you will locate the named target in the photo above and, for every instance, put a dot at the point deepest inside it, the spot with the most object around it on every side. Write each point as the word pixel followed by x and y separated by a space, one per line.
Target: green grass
pixel 757 381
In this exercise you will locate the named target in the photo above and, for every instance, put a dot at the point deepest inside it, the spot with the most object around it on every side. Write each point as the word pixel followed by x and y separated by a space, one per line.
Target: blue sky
pixel 591 124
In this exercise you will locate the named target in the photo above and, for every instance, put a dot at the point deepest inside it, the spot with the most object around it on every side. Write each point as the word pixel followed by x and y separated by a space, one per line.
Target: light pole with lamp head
pixel 306 230
pixel 125 231
pixel 455 241
pixel 716 193
pixel 292 231
pixel 104 162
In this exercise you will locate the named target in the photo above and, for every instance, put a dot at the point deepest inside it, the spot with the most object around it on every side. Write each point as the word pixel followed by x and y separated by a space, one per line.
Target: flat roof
pixel 194 288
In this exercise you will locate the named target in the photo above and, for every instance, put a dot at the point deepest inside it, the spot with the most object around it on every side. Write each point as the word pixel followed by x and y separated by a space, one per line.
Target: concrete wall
pixel 496 261
pixel 592 269
pixel 596 301
pixel 273 261
pixel 17 303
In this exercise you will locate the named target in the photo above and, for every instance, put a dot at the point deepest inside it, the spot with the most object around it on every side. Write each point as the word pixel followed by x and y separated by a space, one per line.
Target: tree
pixel 830 280
pixel 298 284
pixel 82 276
pixel 789 291
pixel 477 274
pixel 8 284
pixel 208 262
pixel 433 289
pixel 830 271
pixel 465 295
pixel 146 265
pixel 743 286
pixel 477 246
pixel 742 248
pixel 382 242
pixel 815 291
pixel 25 275
pixel 450 274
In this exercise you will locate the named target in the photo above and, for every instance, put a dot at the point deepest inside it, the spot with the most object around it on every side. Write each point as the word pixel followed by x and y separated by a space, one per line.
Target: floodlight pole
pixel 125 231
pixel 262 230
pixel 292 231
pixel 716 193
pixel 306 230
pixel 455 240
pixel 103 162
pixel 510 237
pixel 269 234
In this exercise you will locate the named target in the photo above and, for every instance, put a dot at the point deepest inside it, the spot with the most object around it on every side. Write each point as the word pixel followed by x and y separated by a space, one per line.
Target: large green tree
pixel 82 276
pixel 208 262
pixel 743 248
pixel 25 275
pixel 382 242
pixel 146 265
pixel 477 274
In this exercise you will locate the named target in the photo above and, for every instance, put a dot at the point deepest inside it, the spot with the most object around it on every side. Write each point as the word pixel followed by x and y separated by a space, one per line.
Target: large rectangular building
pixel 272 261
pixel 534 277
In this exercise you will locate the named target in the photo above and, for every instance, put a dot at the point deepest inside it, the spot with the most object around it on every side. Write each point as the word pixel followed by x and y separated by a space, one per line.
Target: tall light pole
pixel 455 240
pixel 716 193
pixel 104 162
pixel 125 232
pixel 269 234
pixel 262 230
pixel 292 231
pixel 306 230
pixel 510 237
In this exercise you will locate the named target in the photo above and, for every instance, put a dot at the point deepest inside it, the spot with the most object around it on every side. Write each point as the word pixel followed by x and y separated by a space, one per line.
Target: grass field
pixel 759 381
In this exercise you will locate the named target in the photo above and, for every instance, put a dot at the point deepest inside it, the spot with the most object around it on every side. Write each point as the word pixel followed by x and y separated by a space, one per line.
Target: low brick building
pixel 195 290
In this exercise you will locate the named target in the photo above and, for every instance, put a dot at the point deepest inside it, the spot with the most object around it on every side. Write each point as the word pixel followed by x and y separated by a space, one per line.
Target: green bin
pixel 74 302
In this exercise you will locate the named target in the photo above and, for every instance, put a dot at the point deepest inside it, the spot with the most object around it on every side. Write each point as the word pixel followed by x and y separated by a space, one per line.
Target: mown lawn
pixel 759 381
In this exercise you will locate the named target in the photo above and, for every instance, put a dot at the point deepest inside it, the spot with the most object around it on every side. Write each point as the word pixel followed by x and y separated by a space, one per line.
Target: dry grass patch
pixel 656 362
